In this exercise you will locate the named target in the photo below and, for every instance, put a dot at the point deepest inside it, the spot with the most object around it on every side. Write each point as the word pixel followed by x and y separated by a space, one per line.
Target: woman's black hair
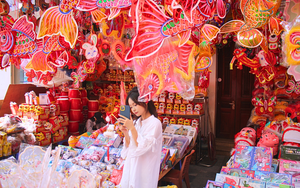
pixel 134 95
pixel 98 117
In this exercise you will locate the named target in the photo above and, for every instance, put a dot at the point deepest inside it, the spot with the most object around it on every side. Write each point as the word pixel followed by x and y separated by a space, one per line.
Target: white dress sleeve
pixel 125 149
pixel 147 139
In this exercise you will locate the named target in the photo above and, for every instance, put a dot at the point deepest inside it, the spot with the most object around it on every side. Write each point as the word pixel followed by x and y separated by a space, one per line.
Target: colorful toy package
pixel 213 184
pixel 287 166
pixel 93 153
pixel 273 177
pixel 64 166
pixel 116 152
pixel 246 182
pixel 165 153
pixel 281 178
pixel 275 164
pixel 105 141
pixel 289 153
pixel 286 186
pixel 174 154
pixel 68 152
pixel 291 167
pixel 226 185
pixel 277 185
pixel 242 157
pixel 262 176
pixel 84 142
pixel 223 178
pixel 238 172
pixel 262 159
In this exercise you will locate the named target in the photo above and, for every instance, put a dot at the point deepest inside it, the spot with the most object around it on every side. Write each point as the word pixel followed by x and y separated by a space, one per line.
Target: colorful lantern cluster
pixel 152 37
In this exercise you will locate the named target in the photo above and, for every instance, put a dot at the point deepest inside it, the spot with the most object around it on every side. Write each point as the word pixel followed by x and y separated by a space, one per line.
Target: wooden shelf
pixel 107 81
pixel 184 115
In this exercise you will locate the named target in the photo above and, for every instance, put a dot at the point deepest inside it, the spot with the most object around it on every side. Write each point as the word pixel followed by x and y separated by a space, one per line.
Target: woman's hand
pixel 128 123
pixel 123 129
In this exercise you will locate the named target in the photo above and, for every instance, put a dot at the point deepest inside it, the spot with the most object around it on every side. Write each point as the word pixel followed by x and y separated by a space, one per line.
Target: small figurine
pixel 182 108
pixel 195 123
pixel 189 109
pixel 173 121
pixel 180 121
pixel 187 122
pixel 166 120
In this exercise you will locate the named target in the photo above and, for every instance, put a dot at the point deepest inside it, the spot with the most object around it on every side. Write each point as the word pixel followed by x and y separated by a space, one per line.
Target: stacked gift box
pixel 50 116
pixel 5 147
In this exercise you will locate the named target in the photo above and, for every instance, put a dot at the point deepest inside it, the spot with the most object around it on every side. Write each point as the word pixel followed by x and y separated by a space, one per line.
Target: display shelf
pixel 163 173
pixel 183 115
pixel 112 81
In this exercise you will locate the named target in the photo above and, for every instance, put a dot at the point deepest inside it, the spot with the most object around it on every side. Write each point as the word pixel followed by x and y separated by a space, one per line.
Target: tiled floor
pixel 199 174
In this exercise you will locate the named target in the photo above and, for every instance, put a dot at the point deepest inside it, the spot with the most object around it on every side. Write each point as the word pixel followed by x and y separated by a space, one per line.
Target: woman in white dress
pixel 142 144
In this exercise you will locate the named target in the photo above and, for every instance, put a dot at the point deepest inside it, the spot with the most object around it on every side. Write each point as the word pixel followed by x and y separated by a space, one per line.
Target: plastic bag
pixel 9 173
pixel 116 176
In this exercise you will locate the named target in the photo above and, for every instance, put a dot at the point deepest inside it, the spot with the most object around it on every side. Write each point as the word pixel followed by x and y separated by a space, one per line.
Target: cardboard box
pixel 55 124
pixel 3 138
pixel 6 149
pixel 58 135
pixel 64 122
pixel 65 130
pixel 289 153
pixel 1 154
pixel 43 138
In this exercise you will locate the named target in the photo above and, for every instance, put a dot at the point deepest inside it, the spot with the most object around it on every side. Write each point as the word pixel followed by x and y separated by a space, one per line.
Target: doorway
pixel 234 94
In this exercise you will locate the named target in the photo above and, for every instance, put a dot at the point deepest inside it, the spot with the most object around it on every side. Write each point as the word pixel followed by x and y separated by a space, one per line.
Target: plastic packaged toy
pixel 238 172
pixel 84 142
pixel 262 159
pixel 246 182
pixel 242 157
pixel 223 178
pixel 213 184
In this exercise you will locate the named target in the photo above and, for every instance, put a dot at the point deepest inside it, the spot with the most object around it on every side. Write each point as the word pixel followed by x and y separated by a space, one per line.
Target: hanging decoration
pixel 153 27
pixel 119 51
pixel 99 69
pixel 114 27
pixel 60 20
pixel 204 57
pixel 4 8
pixel 87 66
pixel 256 15
pixel 19 41
pixel 170 69
pixel 291 43
pixel 264 106
pixel 266 71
